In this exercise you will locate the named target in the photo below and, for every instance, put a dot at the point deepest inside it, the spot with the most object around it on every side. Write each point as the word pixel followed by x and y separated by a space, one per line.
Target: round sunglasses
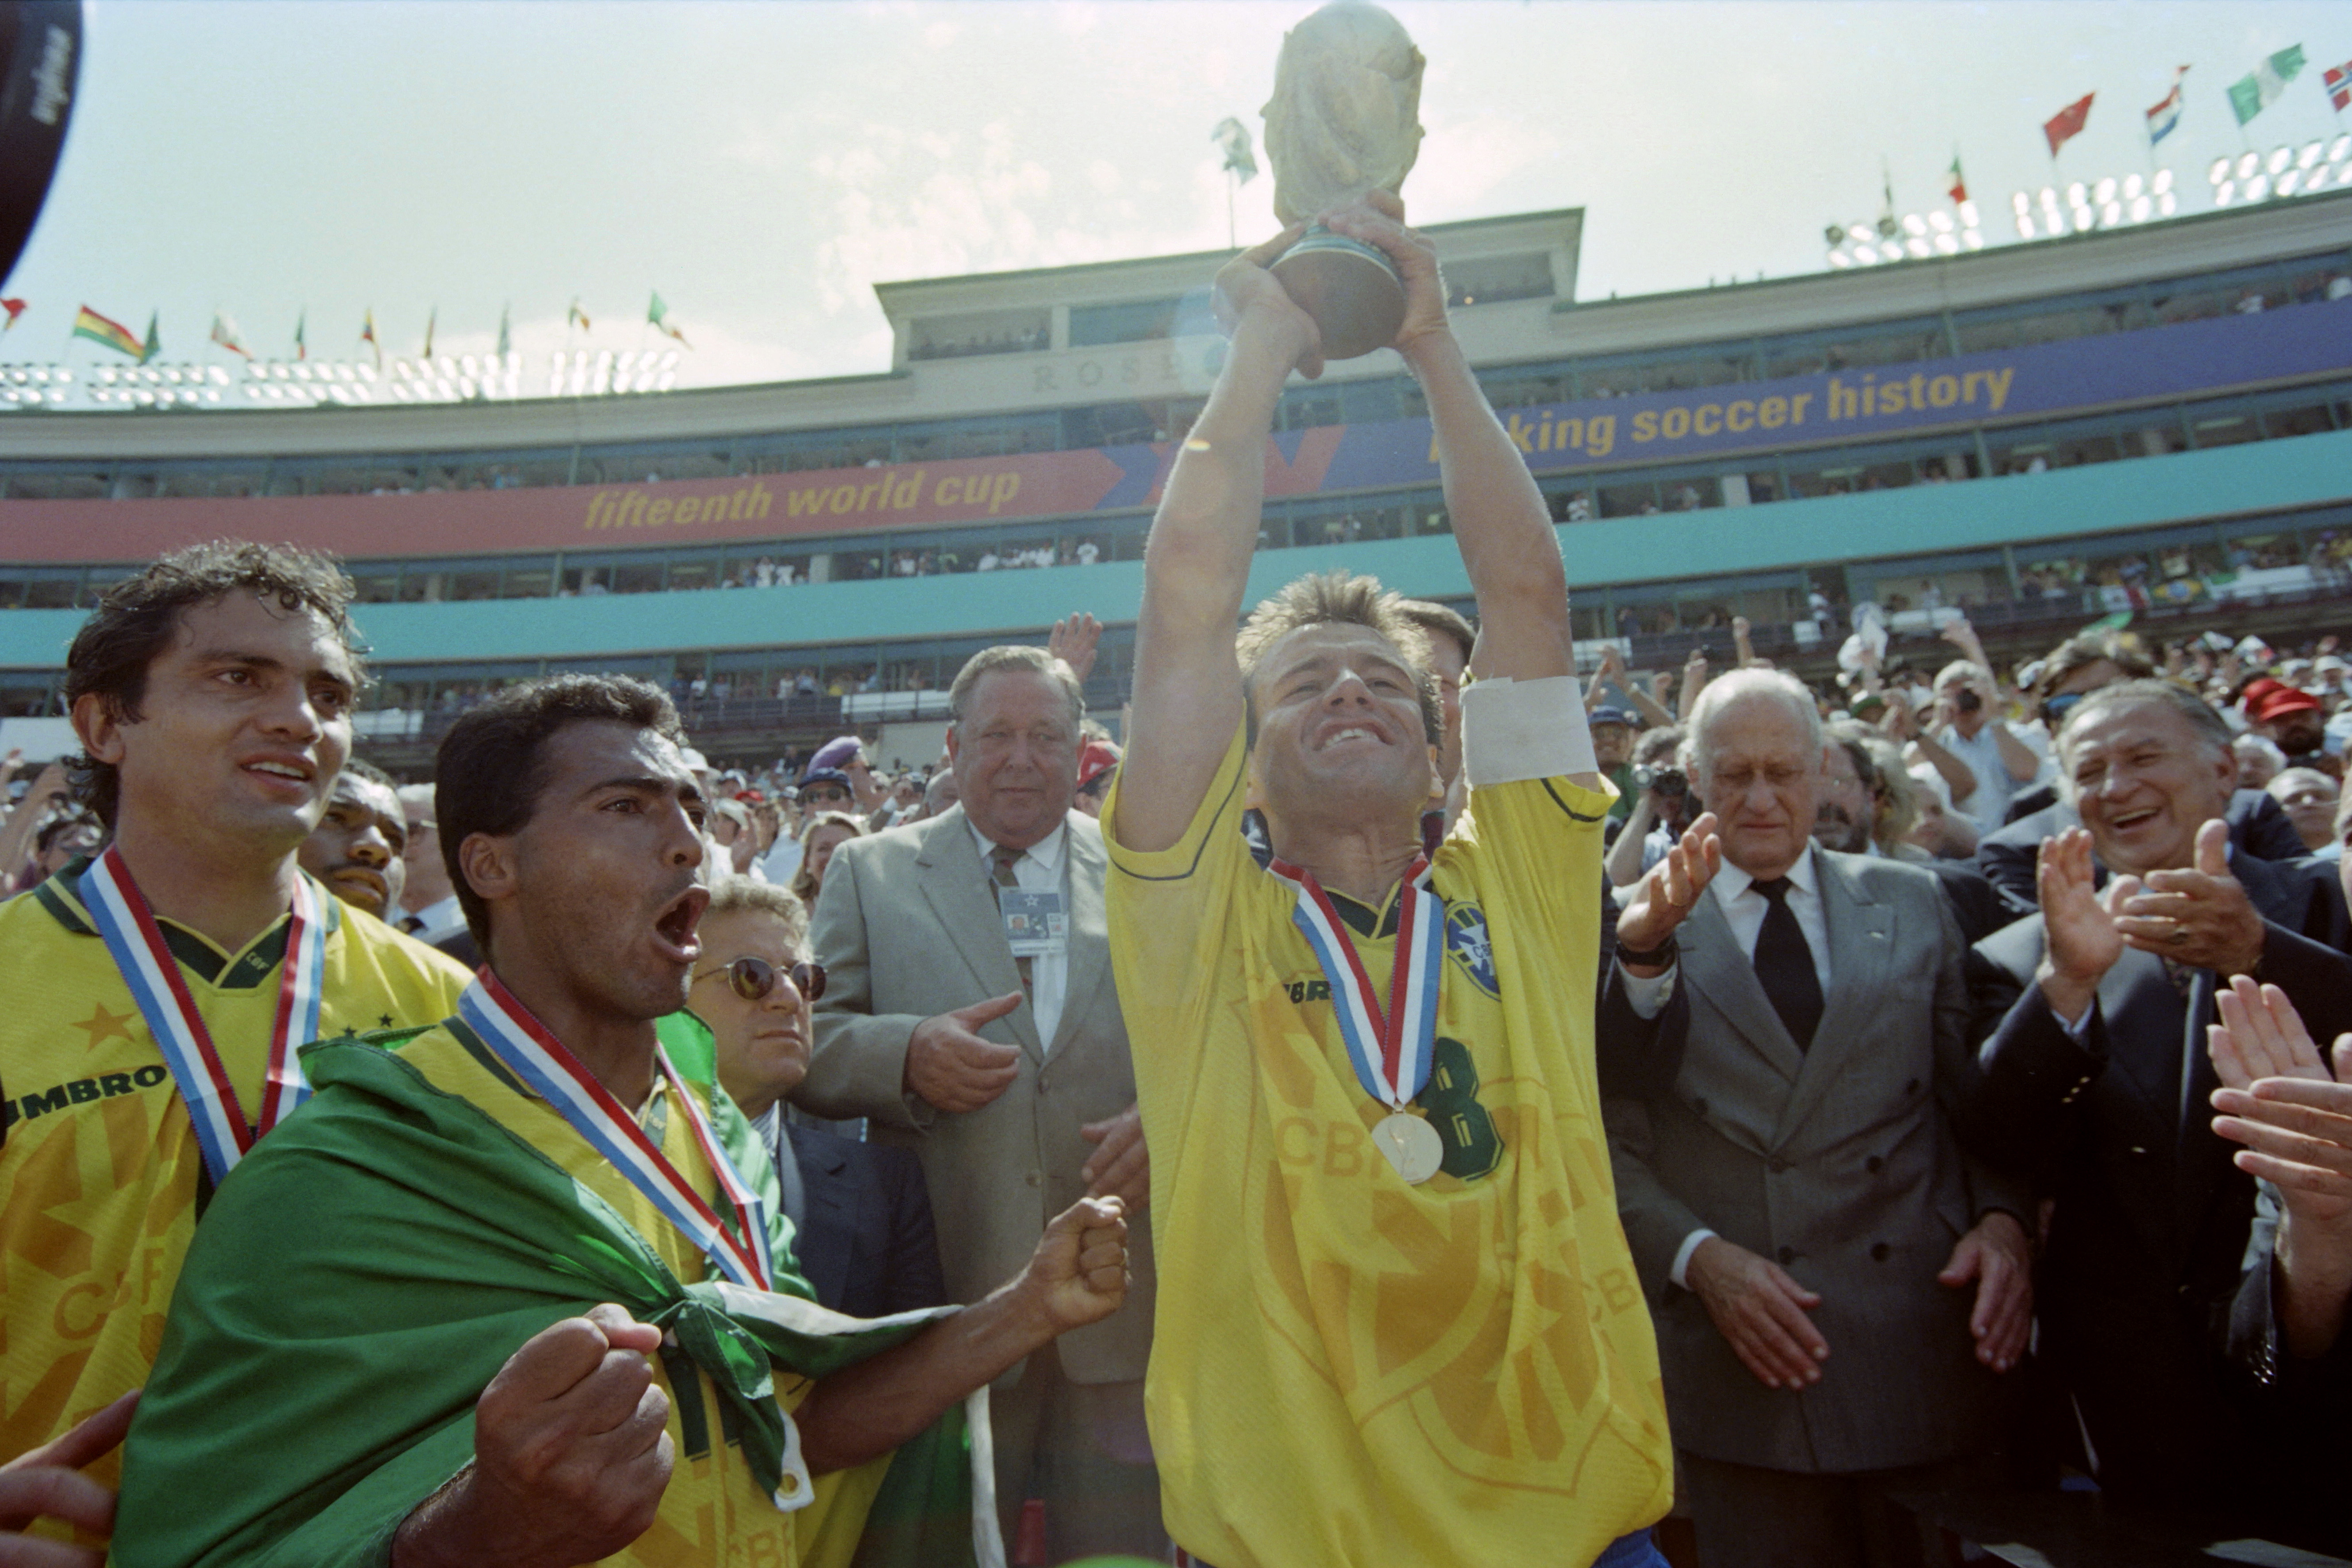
pixel 754 978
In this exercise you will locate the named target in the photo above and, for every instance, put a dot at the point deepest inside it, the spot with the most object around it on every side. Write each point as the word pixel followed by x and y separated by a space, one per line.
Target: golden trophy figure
pixel 1345 120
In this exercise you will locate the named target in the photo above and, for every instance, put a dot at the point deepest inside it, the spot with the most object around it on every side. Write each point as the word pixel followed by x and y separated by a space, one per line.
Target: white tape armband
pixel 1513 730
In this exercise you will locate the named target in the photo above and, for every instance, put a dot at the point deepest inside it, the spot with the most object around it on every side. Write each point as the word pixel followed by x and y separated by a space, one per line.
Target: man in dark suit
pixel 1836 1288
pixel 2094 1078
pixel 862 1231
pixel 2257 826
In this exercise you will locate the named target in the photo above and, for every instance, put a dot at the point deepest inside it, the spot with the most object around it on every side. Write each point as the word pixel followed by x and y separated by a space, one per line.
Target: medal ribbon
pixel 542 1061
pixel 136 944
pixel 1391 1046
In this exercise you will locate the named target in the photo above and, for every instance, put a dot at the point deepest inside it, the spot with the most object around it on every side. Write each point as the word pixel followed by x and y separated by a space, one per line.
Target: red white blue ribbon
pixel 127 925
pixel 1391 1046
pixel 556 1075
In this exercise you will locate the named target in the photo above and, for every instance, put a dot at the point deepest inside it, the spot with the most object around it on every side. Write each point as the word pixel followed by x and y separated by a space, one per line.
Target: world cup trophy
pixel 1345 120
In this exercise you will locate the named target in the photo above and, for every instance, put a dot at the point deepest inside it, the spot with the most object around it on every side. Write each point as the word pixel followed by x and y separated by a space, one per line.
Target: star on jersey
pixel 103 1026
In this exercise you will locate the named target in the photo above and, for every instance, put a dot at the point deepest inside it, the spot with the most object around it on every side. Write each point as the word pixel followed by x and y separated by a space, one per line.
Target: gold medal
pixel 1412 1145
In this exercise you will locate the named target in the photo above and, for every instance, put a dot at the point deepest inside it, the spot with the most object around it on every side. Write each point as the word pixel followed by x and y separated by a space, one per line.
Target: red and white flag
pixel 2067 123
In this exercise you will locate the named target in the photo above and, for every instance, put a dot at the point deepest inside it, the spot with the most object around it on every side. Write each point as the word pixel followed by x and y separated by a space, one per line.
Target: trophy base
pixel 1352 291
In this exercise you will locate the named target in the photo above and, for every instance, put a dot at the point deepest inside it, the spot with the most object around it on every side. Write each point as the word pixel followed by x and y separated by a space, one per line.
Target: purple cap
pixel 836 752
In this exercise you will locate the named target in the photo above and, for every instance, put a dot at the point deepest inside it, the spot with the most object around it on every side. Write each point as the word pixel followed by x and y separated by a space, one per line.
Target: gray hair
pixel 1739 686
pixel 1016 656
pixel 2207 727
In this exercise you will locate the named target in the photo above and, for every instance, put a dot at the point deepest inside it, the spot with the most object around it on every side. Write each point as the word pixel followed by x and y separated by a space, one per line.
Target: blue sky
pixel 764 165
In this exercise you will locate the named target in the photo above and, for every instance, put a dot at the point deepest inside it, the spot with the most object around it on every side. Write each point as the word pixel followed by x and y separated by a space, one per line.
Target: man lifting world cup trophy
pixel 1344 122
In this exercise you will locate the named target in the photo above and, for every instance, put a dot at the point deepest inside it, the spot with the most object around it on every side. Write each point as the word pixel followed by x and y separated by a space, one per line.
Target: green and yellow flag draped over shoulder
pixel 362 1277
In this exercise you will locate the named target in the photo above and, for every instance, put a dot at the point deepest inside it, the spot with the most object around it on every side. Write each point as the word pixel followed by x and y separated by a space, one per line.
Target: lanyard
pixel 542 1061
pixel 1391 1046
pixel 136 944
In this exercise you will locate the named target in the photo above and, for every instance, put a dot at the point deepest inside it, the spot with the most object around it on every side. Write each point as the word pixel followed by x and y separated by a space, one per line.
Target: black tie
pixel 1784 965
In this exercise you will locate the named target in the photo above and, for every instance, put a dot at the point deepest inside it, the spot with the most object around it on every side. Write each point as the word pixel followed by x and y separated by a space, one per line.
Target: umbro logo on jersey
pixel 1305 991
pixel 81 1091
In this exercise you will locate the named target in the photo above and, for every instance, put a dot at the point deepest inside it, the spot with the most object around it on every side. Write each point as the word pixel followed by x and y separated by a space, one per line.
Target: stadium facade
pixel 2154 418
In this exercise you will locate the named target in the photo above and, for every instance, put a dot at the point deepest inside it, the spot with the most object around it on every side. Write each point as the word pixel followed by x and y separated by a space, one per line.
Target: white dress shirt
pixel 1039 870
pixel 1734 891
pixel 432 920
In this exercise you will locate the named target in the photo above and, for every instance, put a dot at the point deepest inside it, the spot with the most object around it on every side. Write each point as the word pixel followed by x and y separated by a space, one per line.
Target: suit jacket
pixel 864 1242
pixel 907 927
pixel 2149 1248
pixel 1839 1162
pixel 2258 826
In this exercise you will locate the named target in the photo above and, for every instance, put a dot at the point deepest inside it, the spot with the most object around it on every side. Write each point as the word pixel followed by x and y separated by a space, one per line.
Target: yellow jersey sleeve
pixel 1169 909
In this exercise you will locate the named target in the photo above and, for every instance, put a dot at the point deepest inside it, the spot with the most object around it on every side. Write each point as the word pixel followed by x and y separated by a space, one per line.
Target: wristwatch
pixel 1658 957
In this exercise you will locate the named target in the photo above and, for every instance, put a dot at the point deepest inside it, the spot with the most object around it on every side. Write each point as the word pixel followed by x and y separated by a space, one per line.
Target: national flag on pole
pixel 225 334
pixel 15 308
pixel 2250 95
pixel 1959 188
pixel 431 317
pixel 109 333
pixel 1887 227
pixel 2067 123
pixel 1233 138
pixel 367 336
pixel 2339 91
pixel 301 343
pixel 657 313
pixel 154 345
pixel 506 332
pixel 2166 114
pixel 576 316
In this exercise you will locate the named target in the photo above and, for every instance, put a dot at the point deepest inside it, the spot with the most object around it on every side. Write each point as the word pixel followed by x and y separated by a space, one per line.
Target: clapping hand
pixel 2083 943
pixel 2279 1099
pixel 2201 917
pixel 1670 890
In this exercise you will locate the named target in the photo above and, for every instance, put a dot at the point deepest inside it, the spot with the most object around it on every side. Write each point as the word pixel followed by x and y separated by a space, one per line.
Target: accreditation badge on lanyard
pixel 1391 1047
pixel 136 944
pixel 535 1056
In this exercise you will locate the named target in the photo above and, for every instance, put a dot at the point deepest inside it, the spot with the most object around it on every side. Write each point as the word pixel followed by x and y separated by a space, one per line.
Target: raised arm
pixel 1188 684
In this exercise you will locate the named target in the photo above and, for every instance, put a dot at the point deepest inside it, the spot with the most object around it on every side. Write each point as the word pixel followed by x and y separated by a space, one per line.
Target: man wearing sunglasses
pixel 862 1228
pixel 514 1293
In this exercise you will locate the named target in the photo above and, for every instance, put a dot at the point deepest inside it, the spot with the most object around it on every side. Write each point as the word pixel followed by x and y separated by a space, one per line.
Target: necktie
pixel 412 924
pixel 1784 965
pixel 1004 860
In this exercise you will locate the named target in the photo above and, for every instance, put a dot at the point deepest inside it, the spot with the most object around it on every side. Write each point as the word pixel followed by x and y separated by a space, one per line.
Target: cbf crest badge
pixel 1466 941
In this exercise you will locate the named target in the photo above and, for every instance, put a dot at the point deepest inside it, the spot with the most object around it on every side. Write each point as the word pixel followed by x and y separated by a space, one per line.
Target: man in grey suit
pixel 970 1012
pixel 1803 1219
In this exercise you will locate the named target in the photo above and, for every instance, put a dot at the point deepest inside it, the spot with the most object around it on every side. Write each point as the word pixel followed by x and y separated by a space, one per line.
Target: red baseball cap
pixel 2267 700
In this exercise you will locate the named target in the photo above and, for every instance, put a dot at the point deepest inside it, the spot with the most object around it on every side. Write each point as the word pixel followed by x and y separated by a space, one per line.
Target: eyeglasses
pixel 754 978
pixel 826 795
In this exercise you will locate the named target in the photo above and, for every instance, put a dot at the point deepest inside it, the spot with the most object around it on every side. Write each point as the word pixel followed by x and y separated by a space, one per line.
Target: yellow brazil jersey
pixel 1357 1371
pixel 100 1179
pixel 713 1514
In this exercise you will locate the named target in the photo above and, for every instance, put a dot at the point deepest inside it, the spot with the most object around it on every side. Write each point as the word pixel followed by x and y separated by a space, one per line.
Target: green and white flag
pixel 658 314
pixel 2251 95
